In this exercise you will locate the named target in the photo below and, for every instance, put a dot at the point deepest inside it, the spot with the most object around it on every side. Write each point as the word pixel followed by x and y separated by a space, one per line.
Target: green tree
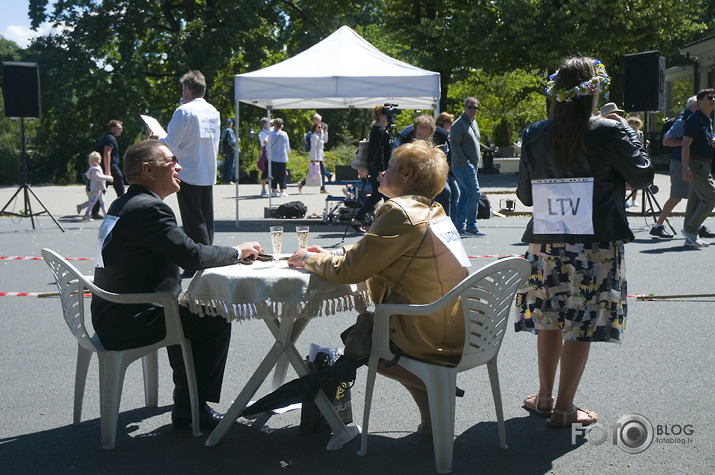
pixel 541 33
pixel 515 97
pixel 120 59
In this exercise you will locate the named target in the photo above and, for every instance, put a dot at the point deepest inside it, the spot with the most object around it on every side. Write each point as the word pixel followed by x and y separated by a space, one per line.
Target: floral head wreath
pixel 586 88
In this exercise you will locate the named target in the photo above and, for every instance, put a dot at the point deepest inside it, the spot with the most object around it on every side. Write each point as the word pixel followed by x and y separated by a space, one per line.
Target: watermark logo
pixel 633 433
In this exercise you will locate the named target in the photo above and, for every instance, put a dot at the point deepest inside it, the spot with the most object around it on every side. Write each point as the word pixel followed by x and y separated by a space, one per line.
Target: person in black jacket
pixel 141 248
pixel 573 171
pixel 379 151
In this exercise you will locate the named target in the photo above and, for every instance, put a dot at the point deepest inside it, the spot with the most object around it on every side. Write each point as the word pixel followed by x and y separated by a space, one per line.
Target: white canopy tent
pixel 342 71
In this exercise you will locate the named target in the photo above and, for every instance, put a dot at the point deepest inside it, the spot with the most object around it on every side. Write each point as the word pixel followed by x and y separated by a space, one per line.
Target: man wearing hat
pixel 228 148
pixel 611 109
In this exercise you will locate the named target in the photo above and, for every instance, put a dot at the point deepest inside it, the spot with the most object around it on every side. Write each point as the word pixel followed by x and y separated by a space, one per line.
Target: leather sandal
pixel 564 416
pixel 537 401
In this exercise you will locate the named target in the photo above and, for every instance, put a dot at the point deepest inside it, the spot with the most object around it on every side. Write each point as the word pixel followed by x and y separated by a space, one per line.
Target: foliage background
pixel 117 59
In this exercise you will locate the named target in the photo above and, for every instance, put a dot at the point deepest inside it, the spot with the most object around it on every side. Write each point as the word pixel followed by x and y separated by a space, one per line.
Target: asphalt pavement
pixel 662 370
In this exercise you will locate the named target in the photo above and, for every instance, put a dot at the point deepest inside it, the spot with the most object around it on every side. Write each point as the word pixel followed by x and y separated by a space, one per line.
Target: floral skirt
pixel 577 289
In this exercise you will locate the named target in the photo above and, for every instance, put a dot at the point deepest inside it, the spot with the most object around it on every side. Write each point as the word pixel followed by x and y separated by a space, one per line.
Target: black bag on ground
pixel 338 393
pixel 484 209
pixel 294 209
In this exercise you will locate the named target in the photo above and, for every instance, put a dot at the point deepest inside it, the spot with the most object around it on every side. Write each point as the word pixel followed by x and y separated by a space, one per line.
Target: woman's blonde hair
pixel 94 157
pixel 428 165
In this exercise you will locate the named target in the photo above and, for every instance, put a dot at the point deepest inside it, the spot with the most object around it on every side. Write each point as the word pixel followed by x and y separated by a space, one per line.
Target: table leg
pixel 239 404
pixel 279 375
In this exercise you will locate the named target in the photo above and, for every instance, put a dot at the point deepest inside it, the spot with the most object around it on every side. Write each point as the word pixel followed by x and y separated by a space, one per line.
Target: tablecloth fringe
pixel 249 311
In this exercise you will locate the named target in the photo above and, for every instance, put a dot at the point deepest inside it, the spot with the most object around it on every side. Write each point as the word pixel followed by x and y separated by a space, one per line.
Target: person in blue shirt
pixel 697 156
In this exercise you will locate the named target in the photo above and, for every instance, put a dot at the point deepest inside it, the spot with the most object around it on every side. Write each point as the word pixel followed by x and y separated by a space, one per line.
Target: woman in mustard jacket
pixel 416 173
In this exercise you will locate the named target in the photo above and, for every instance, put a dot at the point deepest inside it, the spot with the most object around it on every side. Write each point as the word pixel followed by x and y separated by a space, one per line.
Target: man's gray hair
pixel 469 99
pixel 195 81
pixel 691 100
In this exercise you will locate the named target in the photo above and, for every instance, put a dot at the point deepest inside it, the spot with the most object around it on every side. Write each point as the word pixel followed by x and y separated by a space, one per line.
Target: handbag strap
pixel 404 271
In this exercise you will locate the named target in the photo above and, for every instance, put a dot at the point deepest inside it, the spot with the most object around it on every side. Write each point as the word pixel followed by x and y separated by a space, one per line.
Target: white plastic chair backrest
pixel 71 285
pixel 487 296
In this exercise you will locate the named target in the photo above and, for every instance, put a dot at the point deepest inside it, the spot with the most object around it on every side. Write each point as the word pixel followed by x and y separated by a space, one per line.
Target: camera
pixel 390 110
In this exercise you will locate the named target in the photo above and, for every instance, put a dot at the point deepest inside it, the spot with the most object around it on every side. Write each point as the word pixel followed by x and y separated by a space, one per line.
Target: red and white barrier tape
pixel 30 258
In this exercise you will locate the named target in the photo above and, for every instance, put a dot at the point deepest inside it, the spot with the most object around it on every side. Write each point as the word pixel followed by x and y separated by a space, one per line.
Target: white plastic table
pixel 286 300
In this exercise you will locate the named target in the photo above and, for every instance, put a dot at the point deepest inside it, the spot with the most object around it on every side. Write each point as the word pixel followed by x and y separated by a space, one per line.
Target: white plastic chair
pixel 486 296
pixel 113 364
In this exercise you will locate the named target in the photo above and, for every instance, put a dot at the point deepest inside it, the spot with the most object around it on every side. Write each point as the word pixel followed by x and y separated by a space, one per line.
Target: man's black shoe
pixel 660 232
pixel 97 216
pixel 208 418
pixel 704 232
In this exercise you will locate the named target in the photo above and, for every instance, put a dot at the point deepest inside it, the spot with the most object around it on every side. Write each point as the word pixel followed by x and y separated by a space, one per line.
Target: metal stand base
pixel 649 205
pixel 28 213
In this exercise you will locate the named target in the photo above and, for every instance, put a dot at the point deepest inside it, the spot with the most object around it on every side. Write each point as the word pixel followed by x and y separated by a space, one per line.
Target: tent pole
pixel 237 162
pixel 436 108
pixel 269 156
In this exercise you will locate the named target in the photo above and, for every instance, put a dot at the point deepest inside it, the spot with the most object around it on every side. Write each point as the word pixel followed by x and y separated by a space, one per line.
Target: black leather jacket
pixel 612 156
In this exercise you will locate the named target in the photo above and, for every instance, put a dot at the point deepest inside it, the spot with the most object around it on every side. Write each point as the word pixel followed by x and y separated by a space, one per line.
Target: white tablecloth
pixel 264 290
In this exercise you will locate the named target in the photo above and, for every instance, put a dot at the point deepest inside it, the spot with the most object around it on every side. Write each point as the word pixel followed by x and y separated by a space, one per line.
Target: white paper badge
pixel 106 227
pixel 445 231
pixel 210 126
pixel 563 206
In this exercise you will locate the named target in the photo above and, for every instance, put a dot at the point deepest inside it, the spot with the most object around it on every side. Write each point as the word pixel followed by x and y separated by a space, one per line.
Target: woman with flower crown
pixel 573 171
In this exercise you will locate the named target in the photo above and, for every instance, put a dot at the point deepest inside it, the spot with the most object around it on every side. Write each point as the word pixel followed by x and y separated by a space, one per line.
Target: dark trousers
pixel 196 204
pixel 374 197
pixel 228 173
pixel 117 183
pixel 210 338
pixel 445 198
pixel 278 170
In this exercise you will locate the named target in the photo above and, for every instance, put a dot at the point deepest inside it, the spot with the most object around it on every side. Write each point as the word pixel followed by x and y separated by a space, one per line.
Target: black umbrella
pixel 305 388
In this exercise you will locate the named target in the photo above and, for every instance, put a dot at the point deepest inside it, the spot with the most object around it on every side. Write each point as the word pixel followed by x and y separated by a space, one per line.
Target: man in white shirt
pixel 193 136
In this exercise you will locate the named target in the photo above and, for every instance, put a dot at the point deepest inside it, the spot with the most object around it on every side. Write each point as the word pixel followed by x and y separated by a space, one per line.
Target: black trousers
pixel 210 338
pixel 374 197
pixel 196 204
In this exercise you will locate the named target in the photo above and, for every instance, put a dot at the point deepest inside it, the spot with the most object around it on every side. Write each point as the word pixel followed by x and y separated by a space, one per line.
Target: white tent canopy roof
pixel 342 71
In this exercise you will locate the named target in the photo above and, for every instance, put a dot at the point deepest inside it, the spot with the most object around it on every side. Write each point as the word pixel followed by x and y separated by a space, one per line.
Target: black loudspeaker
pixel 21 90
pixel 645 82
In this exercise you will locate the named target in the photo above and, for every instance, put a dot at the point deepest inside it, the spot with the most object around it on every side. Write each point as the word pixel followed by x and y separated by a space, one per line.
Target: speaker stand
pixel 27 190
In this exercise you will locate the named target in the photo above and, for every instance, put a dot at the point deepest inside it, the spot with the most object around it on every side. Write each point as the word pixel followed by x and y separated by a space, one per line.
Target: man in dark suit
pixel 142 248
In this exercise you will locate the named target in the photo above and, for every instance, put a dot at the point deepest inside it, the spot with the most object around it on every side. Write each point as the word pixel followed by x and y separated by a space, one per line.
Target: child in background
pixel 97 186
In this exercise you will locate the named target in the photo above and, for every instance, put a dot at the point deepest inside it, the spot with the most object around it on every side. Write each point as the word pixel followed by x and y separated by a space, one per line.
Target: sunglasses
pixel 711 96
pixel 472 108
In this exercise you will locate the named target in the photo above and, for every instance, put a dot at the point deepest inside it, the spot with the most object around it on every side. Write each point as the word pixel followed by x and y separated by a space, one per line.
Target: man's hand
pixel 249 249
pixel 687 175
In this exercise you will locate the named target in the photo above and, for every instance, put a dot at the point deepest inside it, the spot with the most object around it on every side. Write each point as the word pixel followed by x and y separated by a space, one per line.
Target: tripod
pixel 648 196
pixel 25 188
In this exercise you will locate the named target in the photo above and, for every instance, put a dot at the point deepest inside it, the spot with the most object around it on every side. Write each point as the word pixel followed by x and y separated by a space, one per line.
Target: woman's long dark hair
pixel 570 120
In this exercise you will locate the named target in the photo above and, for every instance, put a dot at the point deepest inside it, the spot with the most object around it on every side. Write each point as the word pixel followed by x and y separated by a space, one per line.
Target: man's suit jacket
pixel 143 253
